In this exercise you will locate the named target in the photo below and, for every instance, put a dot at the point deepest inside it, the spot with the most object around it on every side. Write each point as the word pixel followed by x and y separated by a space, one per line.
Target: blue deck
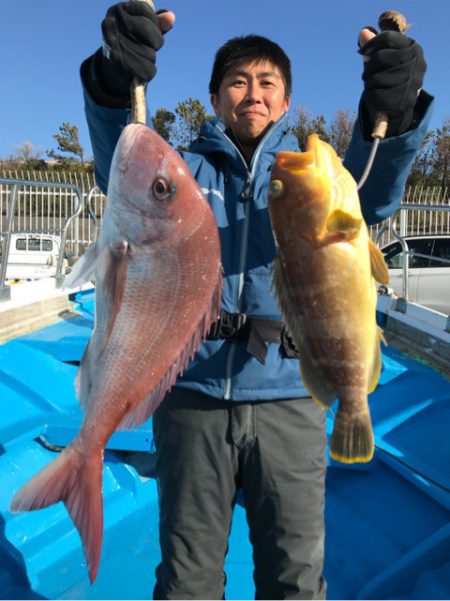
pixel 388 522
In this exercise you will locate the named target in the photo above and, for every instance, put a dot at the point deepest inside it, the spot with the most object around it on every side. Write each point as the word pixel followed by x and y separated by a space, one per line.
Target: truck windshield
pixel 37 244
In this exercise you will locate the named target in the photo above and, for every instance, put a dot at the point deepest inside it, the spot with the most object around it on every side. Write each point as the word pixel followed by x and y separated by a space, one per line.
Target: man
pixel 240 417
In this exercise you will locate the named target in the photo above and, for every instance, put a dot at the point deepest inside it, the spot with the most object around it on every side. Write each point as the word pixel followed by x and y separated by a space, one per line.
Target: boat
pixel 387 521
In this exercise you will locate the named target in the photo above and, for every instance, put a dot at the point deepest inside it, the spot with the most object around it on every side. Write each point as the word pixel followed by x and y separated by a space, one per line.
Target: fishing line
pixel 370 160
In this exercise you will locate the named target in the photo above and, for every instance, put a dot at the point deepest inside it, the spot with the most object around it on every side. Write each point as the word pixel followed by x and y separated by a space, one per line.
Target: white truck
pixel 33 256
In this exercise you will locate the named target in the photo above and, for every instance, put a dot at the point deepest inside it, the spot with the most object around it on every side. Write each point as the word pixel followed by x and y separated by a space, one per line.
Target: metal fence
pixel 397 234
pixel 418 220
pixel 34 206
pixel 47 208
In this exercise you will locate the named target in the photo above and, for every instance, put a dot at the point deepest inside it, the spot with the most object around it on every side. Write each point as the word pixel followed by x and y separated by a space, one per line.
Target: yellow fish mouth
pixel 294 162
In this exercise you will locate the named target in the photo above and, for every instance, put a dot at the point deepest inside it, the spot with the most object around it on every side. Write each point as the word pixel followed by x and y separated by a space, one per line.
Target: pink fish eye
pixel 162 189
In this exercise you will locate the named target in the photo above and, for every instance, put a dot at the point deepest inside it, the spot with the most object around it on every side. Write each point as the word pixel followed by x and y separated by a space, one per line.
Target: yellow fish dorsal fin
pixel 343 223
pixel 378 264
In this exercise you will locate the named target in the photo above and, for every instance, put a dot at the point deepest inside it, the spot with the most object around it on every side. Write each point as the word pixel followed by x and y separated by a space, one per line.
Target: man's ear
pixel 214 104
pixel 287 103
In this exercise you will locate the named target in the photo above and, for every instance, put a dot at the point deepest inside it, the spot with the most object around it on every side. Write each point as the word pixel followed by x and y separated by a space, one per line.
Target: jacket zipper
pixel 247 196
pixel 242 260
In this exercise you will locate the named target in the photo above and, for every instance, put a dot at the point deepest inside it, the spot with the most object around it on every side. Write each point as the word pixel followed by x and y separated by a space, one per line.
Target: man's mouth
pixel 251 114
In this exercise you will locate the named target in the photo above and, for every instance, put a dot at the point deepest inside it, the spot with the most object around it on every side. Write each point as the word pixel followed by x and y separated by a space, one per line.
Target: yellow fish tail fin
pixel 352 438
pixel 378 264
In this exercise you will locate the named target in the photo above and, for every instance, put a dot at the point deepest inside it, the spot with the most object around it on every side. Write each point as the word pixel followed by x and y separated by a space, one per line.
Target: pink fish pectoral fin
pixel 378 265
pixel 77 482
pixel 85 268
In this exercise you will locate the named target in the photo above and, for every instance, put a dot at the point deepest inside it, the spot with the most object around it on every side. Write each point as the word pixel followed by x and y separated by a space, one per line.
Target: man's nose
pixel 253 92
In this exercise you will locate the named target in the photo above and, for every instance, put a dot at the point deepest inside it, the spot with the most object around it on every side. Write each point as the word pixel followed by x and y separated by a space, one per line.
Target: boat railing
pixel 15 185
pixel 391 224
pixel 91 197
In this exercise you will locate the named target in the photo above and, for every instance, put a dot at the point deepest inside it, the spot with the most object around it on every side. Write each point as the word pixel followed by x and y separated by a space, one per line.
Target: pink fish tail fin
pixel 77 481
pixel 352 438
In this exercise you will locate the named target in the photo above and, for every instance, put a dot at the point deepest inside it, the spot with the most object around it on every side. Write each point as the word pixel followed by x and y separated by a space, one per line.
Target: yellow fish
pixel 324 280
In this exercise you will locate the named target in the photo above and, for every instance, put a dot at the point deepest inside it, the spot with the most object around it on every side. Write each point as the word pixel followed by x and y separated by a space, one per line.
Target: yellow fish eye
pixel 276 188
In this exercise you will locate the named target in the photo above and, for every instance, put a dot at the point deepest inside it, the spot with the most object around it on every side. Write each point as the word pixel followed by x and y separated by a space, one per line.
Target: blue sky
pixel 43 43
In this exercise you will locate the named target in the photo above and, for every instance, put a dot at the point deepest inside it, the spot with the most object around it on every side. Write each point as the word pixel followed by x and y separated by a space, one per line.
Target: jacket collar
pixel 213 138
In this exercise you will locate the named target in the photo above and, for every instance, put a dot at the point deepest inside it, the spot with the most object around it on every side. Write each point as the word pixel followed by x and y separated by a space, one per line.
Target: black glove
pixel 131 37
pixel 393 77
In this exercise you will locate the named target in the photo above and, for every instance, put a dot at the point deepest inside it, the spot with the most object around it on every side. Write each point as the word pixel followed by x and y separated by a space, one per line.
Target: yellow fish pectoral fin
pixel 315 381
pixel 344 223
pixel 378 264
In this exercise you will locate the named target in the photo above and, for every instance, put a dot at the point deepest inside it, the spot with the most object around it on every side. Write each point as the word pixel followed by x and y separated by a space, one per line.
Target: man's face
pixel 250 99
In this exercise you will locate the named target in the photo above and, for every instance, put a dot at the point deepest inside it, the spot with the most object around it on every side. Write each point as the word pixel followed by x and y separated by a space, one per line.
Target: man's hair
pixel 243 50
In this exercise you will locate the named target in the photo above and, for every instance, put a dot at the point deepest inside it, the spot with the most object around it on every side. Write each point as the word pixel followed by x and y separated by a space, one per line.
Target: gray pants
pixel 208 449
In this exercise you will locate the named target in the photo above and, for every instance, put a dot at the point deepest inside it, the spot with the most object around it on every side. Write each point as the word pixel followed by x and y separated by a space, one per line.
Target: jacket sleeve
pixel 105 125
pixel 382 193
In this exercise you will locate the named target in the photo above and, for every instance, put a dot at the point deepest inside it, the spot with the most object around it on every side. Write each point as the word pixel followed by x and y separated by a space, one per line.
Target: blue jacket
pixel 237 194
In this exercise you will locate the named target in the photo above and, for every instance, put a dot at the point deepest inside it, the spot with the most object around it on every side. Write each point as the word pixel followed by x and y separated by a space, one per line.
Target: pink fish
pixel 158 287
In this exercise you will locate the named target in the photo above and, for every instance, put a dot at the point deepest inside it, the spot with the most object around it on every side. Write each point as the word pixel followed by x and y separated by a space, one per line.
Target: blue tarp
pixel 387 522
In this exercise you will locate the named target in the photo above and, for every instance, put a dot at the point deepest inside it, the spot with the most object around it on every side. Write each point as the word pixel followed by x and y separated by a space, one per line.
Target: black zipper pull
pixel 247 193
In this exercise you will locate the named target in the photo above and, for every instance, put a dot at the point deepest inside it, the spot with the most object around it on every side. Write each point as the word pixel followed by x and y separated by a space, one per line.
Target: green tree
pixel 422 169
pixel 28 157
pixel 441 154
pixel 190 115
pixel 163 122
pixel 319 126
pixel 26 151
pixel 431 166
pixel 341 130
pixel 70 153
pixel 305 123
